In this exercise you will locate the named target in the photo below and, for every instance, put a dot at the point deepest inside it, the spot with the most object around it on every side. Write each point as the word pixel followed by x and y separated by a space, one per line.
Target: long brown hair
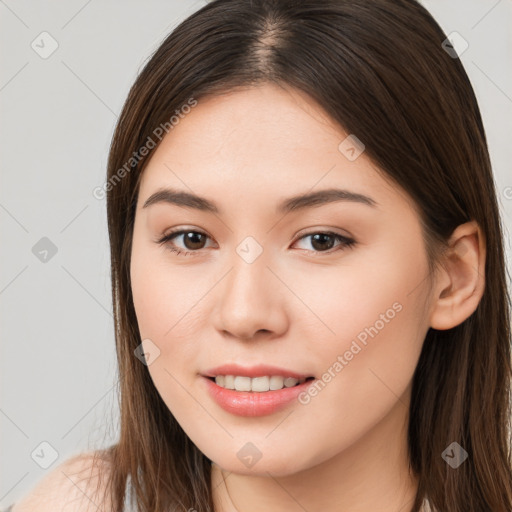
pixel 379 69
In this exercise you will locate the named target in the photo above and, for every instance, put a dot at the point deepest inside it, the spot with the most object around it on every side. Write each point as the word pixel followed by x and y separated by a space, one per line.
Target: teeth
pixel 257 384
pixel 229 381
pixel 276 382
pixel 243 383
pixel 290 382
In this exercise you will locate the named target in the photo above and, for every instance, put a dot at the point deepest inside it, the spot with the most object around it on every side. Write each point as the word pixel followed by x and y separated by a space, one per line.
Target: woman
pixel 258 369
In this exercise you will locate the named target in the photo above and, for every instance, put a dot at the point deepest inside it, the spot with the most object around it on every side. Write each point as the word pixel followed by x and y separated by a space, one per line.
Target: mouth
pixel 260 395
pixel 259 384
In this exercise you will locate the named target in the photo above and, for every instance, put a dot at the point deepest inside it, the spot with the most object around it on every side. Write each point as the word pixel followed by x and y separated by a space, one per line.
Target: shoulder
pixel 75 485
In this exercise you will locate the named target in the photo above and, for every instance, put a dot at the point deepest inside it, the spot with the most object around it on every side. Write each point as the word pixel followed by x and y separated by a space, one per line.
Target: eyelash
pixel 346 243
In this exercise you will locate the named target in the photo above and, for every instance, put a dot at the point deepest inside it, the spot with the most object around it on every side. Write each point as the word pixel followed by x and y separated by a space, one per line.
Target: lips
pixel 251 403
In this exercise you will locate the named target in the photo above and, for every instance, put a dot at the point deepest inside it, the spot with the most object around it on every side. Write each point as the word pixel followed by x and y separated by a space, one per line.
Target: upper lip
pixel 260 370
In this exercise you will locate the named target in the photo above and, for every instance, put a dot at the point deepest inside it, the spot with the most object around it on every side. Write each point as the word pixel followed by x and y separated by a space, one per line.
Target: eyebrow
pixel 298 202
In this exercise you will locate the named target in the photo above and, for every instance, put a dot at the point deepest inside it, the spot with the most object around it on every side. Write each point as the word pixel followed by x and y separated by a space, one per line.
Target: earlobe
pixel 461 282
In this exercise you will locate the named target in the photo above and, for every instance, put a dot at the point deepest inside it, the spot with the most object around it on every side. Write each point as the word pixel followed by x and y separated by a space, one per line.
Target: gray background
pixel 58 371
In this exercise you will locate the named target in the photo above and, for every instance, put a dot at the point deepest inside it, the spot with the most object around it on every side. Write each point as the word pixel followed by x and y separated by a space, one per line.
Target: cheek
pixel 169 307
pixel 164 307
pixel 365 369
pixel 163 296
pixel 370 326
pixel 370 294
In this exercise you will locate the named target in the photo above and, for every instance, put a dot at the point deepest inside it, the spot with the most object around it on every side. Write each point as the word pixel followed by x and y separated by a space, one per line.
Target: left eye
pixel 321 239
pixel 194 241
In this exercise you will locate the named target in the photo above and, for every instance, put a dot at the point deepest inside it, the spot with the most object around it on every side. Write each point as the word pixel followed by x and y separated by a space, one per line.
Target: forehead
pixel 261 141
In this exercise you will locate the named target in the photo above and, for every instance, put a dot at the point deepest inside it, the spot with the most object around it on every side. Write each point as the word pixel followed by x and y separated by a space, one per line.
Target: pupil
pixel 191 237
pixel 322 237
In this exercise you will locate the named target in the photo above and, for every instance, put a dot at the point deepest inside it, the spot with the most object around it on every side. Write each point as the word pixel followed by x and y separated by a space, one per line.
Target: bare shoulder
pixel 75 485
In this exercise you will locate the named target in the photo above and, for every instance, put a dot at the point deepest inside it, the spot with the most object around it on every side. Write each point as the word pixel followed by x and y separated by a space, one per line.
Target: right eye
pixel 194 239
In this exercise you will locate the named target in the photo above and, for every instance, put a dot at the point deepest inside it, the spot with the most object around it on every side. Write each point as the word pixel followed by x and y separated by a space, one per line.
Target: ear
pixel 461 282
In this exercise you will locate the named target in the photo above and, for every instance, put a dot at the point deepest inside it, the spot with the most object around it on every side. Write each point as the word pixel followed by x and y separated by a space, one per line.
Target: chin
pixel 278 464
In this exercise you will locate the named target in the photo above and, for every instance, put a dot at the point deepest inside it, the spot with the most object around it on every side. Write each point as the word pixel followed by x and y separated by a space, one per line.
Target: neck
pixel 372 474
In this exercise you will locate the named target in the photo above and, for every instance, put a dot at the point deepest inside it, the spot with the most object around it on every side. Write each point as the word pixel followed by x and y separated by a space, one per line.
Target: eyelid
pixel 327 230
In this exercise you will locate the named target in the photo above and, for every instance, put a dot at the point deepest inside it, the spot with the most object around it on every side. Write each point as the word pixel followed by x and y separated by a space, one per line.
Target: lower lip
pixel 253 403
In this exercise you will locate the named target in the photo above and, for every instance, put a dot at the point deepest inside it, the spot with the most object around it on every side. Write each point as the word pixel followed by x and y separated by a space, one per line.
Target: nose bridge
pixel 248 279
pixel 249 302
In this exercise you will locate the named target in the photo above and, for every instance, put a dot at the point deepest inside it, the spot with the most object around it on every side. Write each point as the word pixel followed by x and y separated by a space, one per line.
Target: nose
pixel 251 302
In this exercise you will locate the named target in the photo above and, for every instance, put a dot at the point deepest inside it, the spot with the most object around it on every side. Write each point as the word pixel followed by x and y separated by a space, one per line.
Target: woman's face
pixel 270 286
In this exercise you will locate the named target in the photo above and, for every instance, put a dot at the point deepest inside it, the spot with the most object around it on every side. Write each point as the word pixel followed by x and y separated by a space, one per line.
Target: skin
pixel 296 306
